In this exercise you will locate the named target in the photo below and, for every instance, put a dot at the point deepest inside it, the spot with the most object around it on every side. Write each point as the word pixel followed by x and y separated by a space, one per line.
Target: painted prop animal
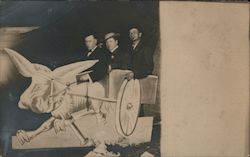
pixel 46 94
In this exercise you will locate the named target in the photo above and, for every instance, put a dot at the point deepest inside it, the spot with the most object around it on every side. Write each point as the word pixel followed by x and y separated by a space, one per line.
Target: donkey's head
pixel 35 97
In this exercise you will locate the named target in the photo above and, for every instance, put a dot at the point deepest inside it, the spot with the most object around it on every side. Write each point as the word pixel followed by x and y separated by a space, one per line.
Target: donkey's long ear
pixel 24 66
pixel 70 71
pixel 42 68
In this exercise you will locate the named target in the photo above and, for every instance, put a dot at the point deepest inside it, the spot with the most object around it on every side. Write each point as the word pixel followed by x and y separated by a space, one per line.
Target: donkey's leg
pixel 97 90
pixel 26 136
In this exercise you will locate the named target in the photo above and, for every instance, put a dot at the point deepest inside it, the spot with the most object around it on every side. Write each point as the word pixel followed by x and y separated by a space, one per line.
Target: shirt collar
pixel 114 49
pixel 90 51
pixel 134 45
pixel 93 49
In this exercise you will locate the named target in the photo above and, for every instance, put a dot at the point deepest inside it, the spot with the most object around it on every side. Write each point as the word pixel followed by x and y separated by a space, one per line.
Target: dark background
pixel 59 41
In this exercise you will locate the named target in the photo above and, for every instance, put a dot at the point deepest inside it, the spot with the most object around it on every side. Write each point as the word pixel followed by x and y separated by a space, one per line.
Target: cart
pixel 127 96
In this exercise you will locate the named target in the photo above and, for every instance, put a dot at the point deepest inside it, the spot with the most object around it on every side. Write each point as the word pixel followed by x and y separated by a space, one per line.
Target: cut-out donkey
pixel 46 93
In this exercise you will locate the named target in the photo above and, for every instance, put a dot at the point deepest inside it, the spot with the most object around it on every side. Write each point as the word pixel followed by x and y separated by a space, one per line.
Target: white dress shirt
pixel 92 50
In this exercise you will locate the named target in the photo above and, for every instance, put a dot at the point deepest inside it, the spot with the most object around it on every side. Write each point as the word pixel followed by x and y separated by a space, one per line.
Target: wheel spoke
pixel 124 121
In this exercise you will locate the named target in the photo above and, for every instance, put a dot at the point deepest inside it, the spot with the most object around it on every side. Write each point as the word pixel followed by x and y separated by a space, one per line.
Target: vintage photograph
pixel 80 79
pixel 124 78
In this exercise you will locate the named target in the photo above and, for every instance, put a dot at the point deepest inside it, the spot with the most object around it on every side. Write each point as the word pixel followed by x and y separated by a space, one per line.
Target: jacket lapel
pixel 137 46
pixel 92 54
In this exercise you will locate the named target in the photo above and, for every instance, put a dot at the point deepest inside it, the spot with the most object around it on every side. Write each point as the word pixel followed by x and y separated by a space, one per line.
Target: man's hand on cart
pixel 83 77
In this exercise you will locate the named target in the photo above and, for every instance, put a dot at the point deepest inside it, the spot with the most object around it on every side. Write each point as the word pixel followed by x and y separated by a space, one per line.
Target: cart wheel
pixel 127 107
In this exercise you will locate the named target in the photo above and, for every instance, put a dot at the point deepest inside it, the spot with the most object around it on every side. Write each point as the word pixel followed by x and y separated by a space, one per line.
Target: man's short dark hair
pixel 139 28
pixel 89 33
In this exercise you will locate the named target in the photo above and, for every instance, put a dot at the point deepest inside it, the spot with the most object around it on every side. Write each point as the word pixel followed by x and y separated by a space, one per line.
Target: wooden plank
pixel 65 139
pixel 7 37
pixel 143 131
pixel 17 30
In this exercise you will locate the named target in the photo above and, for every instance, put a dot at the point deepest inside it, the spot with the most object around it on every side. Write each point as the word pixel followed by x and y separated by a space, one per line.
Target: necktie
pixel 89 53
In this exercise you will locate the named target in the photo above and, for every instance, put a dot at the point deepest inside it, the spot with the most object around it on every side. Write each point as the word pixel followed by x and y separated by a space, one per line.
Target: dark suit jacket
pixel 101 67
pixel 119 59
pixel 141 60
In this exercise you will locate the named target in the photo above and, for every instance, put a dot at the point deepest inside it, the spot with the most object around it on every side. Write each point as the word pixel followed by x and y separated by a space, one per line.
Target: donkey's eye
pixel 37 87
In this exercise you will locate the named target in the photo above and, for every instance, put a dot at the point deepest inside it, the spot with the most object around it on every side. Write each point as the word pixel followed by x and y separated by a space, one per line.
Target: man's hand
pixel 129 76
pixel 84 78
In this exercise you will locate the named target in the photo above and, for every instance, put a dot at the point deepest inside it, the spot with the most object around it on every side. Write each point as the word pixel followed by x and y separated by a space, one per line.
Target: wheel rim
pixel 128 106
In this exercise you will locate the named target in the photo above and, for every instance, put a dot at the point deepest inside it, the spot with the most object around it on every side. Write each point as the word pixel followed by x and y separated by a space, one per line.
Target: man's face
pixel 111 43
pixel 90 42
pixel 134 34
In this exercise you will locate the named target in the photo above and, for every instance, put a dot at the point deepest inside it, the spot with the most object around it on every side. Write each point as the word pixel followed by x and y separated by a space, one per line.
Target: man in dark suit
pixel 141 62
pixel 141 56
pixel 119 58
pixel 99 70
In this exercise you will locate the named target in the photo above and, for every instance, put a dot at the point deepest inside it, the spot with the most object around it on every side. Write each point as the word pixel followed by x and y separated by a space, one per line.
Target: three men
pixel 139 60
